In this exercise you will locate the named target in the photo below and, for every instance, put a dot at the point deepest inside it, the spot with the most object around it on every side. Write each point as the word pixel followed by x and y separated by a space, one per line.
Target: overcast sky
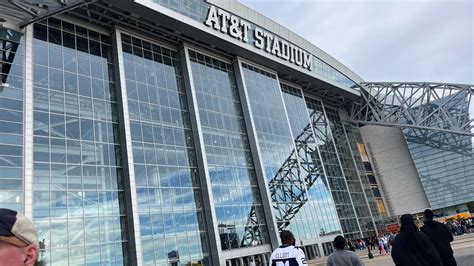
pixel 386 40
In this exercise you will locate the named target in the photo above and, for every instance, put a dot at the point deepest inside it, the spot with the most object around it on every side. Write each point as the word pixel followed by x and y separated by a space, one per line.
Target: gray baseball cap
pixel 17 229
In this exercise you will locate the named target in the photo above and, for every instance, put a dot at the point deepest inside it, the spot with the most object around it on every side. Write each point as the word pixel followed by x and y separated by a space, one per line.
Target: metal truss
pixel 252 235
pixel 456 143
pixel 427 106
pixel 287 191
pixel 9 42
pixel 26 12
pixel 307 152
pixel 289 186
pixel 298 173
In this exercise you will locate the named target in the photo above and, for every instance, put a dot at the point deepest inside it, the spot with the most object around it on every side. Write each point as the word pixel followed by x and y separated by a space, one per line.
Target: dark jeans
pixel 449 261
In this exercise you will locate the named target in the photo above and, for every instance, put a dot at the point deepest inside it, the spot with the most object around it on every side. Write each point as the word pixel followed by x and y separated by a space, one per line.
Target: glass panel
pixel 231 168
pixel 75 195
pixel 163 155
pixel 335 176
pixel 11 119
pixel 318 215
pixel 357 192
pixel 276 145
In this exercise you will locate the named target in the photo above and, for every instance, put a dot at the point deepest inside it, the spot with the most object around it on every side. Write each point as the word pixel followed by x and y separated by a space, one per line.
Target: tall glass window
pixel 11 119
pixel 350 172
pixel 77 177
pixel 366 175
pixel 286 185
pixel 170 207
pixel 339 189
pixel 237 200
pixel 318 212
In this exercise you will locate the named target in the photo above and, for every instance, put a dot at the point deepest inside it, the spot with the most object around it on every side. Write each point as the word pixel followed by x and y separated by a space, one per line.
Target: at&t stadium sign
pixel 240 29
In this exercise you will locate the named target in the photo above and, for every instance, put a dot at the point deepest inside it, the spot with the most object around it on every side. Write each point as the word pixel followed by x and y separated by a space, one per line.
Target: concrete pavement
pixel 463 247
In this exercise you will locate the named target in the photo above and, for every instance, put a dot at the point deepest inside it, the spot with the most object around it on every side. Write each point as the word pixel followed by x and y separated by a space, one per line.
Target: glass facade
pixel 444 160
pixel 78 204
pixel 195 9
pixel 237 201
pixel 334 171
pixel 445 164
pixel 318 213
pixel 278 146
pixel 366 174
pixel 11 119
pixel 170 206
pixel 351 174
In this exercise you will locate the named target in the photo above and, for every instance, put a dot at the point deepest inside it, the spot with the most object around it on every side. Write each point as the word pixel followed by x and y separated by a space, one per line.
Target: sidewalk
pixel 463 247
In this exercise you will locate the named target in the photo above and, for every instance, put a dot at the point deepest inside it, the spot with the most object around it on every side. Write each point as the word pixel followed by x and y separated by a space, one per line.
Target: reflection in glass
pixel 318 214
pixel 339 189
pixel 357 191
pixel 444 160
pixel 237 202
pixel 288 182
pixel 77 196
pixel 168 193
pixel 11 119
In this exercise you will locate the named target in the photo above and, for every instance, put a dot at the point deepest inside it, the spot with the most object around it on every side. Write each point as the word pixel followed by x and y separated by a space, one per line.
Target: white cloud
pixel 386 40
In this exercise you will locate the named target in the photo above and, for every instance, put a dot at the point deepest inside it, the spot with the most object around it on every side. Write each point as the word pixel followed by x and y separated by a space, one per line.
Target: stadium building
pixel 165 132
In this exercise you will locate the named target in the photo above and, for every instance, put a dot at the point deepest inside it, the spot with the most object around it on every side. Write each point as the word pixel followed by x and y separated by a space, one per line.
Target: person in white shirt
pixel 342 257
pixel 287 254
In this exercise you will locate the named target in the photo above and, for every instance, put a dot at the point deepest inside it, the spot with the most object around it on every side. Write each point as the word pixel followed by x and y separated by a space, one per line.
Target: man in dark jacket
pixel 441 237
pixel 412 247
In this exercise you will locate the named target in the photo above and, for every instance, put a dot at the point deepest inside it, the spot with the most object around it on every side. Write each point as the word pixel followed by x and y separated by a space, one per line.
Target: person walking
pixel 381 247
pixel 412 247
pixel 391 237
pixel 341 256
pixel 441 237
pixel 351 245
pixel 385 244
pixel 287 253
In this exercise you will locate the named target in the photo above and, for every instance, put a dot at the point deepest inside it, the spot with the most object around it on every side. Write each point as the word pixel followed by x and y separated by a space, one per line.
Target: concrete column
pixel 395 170
pixel 321 250
pixel 255 150
pixel 205 181
pixel 134 236
pixel 28 123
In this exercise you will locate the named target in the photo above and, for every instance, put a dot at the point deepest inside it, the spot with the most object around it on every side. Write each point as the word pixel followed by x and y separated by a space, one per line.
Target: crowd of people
pixel 382 244
pixel 428 246
pixel 461 226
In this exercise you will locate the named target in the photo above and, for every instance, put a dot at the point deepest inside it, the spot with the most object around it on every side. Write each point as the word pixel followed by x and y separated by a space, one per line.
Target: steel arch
pixel 428 106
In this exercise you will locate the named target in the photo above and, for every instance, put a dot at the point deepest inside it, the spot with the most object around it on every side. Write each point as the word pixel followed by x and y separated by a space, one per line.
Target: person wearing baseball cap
pixel 18 239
